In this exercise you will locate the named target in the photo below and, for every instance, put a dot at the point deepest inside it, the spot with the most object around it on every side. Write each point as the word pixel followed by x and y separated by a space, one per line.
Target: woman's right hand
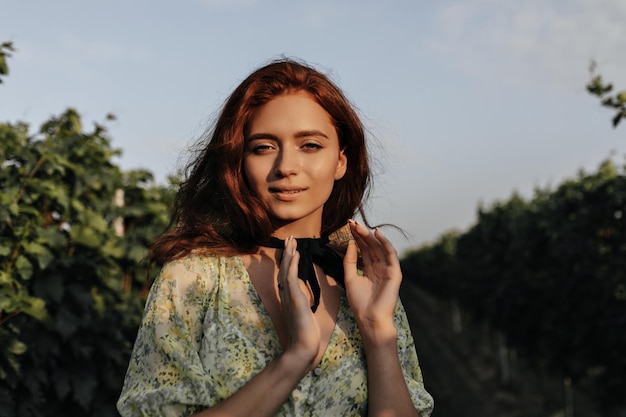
pixel 267 391
pixel 302 329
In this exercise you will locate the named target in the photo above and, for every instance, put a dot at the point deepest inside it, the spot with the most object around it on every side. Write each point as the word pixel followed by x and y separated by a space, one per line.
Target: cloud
pixel 545 42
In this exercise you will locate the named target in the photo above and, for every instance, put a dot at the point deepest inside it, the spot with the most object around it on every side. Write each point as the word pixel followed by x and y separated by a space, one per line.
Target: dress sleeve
pixel 422 400
pixel 165 376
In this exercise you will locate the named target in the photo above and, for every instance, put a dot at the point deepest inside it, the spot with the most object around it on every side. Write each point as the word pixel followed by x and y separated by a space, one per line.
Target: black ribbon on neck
pixel 314 251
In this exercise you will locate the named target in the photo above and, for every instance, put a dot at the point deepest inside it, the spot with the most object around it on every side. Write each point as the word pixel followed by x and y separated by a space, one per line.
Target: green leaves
pixel 5 49
pixel 70 285
pixel 39 253
pixel 23 267
pixel 599 88
pixel 91 230
pixel 549 272
pixel 12 349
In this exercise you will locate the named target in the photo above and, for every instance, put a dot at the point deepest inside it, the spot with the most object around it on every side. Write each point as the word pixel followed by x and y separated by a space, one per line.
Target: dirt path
pixel 461 369
pixel 445 374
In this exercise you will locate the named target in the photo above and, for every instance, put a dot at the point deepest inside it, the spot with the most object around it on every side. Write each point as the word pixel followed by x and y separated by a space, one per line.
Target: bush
pixel 71 267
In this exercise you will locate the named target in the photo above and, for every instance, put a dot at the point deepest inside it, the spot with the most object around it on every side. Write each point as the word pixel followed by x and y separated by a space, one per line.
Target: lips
pixel 286 193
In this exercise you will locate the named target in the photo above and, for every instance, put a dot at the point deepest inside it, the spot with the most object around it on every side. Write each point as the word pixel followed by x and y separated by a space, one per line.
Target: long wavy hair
pixel 216 212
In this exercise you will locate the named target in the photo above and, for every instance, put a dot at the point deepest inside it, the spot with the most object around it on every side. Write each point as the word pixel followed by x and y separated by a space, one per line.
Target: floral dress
pixel 205 333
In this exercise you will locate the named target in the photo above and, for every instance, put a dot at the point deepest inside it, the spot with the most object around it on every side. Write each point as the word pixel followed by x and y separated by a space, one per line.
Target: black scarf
pixel 314 251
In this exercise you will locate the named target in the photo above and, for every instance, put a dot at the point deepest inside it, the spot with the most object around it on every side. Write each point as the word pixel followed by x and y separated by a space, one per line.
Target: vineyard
pixel 74 230
pixel 548 274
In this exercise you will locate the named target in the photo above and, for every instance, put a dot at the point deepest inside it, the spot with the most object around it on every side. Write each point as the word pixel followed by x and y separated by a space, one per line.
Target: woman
pixel 255 312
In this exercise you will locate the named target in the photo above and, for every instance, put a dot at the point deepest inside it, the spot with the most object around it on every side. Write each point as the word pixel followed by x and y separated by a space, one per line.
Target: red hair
pixel 215 210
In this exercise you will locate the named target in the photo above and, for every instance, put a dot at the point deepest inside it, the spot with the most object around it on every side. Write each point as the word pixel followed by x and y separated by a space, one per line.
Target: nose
pixel 287 162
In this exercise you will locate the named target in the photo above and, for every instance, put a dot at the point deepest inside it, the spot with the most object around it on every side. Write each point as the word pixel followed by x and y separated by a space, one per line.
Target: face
pixel 291 161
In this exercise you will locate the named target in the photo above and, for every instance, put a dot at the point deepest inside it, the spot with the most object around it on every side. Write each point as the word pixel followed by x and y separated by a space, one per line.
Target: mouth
pixel 287 193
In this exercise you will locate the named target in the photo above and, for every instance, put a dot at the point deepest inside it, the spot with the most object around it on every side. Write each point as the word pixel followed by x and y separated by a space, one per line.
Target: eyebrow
pixel 300 134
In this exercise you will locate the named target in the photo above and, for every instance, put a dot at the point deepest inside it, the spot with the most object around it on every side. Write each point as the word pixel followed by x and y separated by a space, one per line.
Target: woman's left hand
pixel 374 295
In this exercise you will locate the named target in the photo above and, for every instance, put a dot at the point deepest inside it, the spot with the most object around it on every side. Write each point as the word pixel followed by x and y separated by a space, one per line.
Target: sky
pixel 465 101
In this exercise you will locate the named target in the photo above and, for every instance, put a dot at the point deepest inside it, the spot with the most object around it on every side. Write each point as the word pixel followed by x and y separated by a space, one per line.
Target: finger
pixel 296 297
pixel 285 267
pixel 357 237
pixel 292 268
pixel 350 261
pixel 371 250
pixel 387 246
pixel 285 262
pixel 375 247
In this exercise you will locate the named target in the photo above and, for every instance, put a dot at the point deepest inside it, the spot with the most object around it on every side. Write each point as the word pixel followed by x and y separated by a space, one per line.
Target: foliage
pixel 71 267
pixel 601 89
pixel 550 273
pixel 5 51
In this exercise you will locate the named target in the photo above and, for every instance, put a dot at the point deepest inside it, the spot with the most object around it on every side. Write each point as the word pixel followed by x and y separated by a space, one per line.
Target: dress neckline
pixel 264 314
pixel 313 251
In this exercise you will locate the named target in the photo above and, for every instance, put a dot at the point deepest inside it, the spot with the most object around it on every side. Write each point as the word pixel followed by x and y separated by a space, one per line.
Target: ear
pixel 342 165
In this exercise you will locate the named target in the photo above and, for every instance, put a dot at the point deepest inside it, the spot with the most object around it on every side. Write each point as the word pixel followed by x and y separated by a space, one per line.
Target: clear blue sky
pixel 468 100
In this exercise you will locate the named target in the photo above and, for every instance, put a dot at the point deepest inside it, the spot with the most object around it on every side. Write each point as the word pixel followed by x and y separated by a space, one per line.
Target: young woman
pixel 260 309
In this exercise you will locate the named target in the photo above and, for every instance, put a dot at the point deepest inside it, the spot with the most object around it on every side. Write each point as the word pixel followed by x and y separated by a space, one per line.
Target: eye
pixel 260 148
pixel 310 146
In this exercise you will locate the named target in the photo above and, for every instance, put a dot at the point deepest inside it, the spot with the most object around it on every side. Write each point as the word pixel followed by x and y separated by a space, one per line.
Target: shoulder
pixel 198 264
pixel 188 284
pixel 196 272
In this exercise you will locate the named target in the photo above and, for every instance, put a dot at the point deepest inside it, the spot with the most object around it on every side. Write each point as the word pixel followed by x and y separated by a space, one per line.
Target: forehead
pixel 291 110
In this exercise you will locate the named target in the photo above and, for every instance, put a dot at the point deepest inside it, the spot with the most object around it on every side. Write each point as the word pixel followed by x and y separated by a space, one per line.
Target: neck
pixel 313 250
pixel 276 242
pixel 295 236
pixel 284 232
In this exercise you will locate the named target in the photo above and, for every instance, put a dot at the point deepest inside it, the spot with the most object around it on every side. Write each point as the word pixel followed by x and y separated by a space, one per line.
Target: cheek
pixel 329 171
pixel 253 173
pixel 324 176
pixel 248 177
